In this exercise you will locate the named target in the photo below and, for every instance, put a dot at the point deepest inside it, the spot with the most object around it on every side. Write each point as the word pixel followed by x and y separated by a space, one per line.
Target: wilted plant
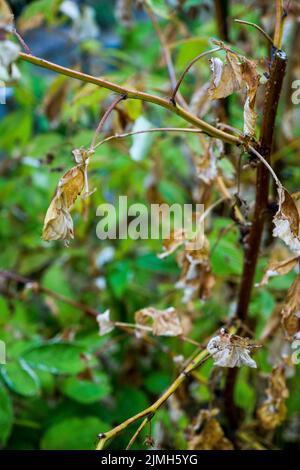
pixel 228 347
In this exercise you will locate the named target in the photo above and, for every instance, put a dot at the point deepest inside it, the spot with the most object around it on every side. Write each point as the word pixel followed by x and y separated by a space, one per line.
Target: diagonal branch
pixel 133 94
pixel 149 412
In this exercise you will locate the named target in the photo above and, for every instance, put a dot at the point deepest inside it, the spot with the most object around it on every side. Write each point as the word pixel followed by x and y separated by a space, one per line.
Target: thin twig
pixel 201 357
pixel 22 42
pixel 138 431
pixel 267 165
pixel 154 129
pixel 104 118
pixel 254 25
pixel 179 81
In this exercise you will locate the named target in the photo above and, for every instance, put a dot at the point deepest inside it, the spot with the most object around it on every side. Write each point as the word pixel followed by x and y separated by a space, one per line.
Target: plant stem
pixel 198 57
pixel 272 95
pixel 144 131
pixel 262 182
pixel 133 94
pixel 104 117
pixel 254 25
pixel 201 357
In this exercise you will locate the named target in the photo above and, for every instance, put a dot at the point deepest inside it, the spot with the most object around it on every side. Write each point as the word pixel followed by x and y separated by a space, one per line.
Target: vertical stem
pixel 272 95
pixel 222 14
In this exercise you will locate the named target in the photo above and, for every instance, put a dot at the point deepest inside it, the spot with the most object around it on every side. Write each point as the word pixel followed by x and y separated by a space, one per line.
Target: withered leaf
pixel 226 78
pixel 163 322
pixel 177 238
pixel 278 268
pixel 196 279
pixel 231 350
pixel 272 412
pixel 237 73
pixel 291 310
pixel 104 322
pixel 206 433
pixel 6 17
pixel 286 220
pixel 58 223
pixel 206 165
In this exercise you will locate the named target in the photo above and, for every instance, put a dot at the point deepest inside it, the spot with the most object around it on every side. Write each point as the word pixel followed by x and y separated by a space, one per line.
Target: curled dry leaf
pixel 177 238
pixel 9 52
pixel 237 73
pixel 6 17
pixel 200 103
pixel 231 350
pixel 286 220
pixel 105 323
pixel 58 223
pixel 163 322
pixel 196 279
pixel 291 310
pixel 206 433
pixel 206 165
pixel 278 268
pixel 226 78
pixel 272 412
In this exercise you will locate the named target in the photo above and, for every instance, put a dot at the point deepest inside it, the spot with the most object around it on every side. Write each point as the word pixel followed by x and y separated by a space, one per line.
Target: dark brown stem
pixel 272 95
pixel 222 15
pixel 104 117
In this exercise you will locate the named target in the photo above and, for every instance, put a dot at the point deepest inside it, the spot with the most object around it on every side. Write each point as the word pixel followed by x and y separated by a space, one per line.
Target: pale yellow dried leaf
pixel 286 220
pixel 291 310
pixel 163 322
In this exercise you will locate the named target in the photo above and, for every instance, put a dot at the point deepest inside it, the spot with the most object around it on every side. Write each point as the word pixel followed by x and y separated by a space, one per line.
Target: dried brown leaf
pixel 206 433
pixel 272 412
pixel 104 322
pixel 286 221
pixel 163 322
pixel 58 223
pixel 291 310
pixel 231 350
pixel 278 268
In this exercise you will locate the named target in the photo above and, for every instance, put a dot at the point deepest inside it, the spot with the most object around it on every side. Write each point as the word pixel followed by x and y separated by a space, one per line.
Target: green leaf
pixel 227 258
pixel 20 378
pixel 187 49
pixel 73 434
pixel 86 391
pixel 58 358
pixel 6 415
